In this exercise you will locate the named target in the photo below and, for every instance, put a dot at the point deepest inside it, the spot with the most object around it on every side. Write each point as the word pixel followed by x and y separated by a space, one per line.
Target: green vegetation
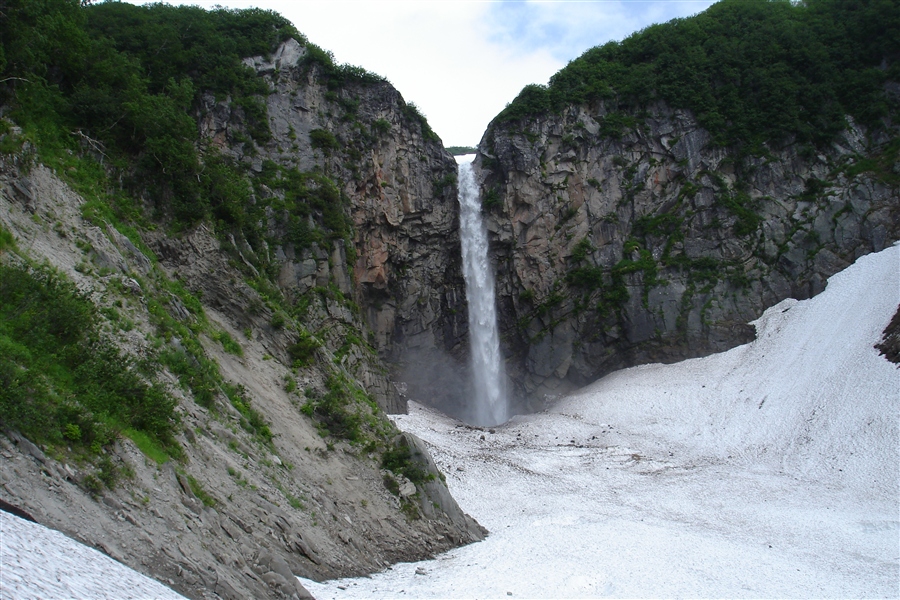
pixel 147 445
pixel 399 460
pixel 381 126
pixel 883 164
pixel 61 381
pixel 123 85
pixel 744 208
pixel 446 181
pixel 110 96
pixel 345 411
pixel 336 75
pixel 491 199
pixel 754 72
pixel 323 140
pixel 582 249
pixel 303 350
pixel 615 124
pixel 662 225
pixel 251 420
pixel 313 205
pixel 461 150
pixel 201 493
pixel 412 112
pixel 123 82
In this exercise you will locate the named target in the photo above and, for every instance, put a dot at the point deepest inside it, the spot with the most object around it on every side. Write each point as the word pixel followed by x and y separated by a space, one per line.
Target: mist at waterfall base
pixel 771 470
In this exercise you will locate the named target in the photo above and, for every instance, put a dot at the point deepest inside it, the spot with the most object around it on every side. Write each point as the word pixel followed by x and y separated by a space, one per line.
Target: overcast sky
pixel 462 61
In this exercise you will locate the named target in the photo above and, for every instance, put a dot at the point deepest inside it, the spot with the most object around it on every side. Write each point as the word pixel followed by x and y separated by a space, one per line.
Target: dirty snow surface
pixel 770 470
pixel 37 562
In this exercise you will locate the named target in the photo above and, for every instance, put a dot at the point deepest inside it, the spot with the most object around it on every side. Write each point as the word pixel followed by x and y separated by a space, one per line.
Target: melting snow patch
pixel 37 562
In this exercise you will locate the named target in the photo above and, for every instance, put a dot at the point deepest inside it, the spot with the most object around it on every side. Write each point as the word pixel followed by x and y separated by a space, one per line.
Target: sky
pixel 462 61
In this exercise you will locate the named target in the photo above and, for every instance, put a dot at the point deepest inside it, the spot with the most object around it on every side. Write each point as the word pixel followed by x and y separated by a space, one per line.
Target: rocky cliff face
pixel 623 245
pixel 266 488
pixel 397 182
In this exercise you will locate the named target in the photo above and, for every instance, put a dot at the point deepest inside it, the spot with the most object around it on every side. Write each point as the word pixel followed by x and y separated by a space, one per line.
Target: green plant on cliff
pixel 444 182
pixel 61 381
pixel 346 411
pixel 399 460
pixel 323 140
pixel 412 112
pixel 744 208
pixel 491 199
pixel 336 75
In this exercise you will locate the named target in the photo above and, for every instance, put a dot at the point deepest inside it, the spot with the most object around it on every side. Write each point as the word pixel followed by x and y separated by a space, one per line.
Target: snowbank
pixel 770 470
pixel 37 562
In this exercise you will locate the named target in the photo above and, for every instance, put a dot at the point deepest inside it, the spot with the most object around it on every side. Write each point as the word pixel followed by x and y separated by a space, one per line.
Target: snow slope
pixel 770 470
pixel 37 562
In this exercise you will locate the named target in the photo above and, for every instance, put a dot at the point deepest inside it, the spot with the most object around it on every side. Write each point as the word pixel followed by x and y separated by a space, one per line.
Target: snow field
pixel 40 563
pixel 770 470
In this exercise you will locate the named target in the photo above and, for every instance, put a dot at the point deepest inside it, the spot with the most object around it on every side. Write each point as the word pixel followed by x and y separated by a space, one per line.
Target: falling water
pixel 491 407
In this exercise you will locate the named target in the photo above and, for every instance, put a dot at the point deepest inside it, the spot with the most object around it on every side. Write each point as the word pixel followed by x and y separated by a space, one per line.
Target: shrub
pixel 381 126
pixel 59 378
pixel 491 199
pixel 304 349
pixel 744 208
pixel 323 140
pixel 446 181
pixel 582 249
pixel 337 411
pixel 399 460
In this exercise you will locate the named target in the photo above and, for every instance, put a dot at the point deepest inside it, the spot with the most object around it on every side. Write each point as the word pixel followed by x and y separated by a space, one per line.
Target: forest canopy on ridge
pixel 752 71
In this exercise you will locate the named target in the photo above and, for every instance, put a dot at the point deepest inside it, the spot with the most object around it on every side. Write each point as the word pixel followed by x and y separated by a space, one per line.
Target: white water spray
pixel 491 406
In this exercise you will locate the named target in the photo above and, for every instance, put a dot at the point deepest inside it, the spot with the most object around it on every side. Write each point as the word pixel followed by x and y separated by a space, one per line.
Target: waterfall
pixel 488 377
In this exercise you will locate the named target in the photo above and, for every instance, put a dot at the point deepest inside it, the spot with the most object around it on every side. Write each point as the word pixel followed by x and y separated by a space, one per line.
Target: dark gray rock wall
pixel 655 245
pixel 406 276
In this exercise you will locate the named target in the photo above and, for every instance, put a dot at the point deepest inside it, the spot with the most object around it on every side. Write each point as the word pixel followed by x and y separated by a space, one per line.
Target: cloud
pixel 566 28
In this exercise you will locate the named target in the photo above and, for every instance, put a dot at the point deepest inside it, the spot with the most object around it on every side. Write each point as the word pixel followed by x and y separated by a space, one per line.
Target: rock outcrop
pixel 399 188
pixel 652 244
